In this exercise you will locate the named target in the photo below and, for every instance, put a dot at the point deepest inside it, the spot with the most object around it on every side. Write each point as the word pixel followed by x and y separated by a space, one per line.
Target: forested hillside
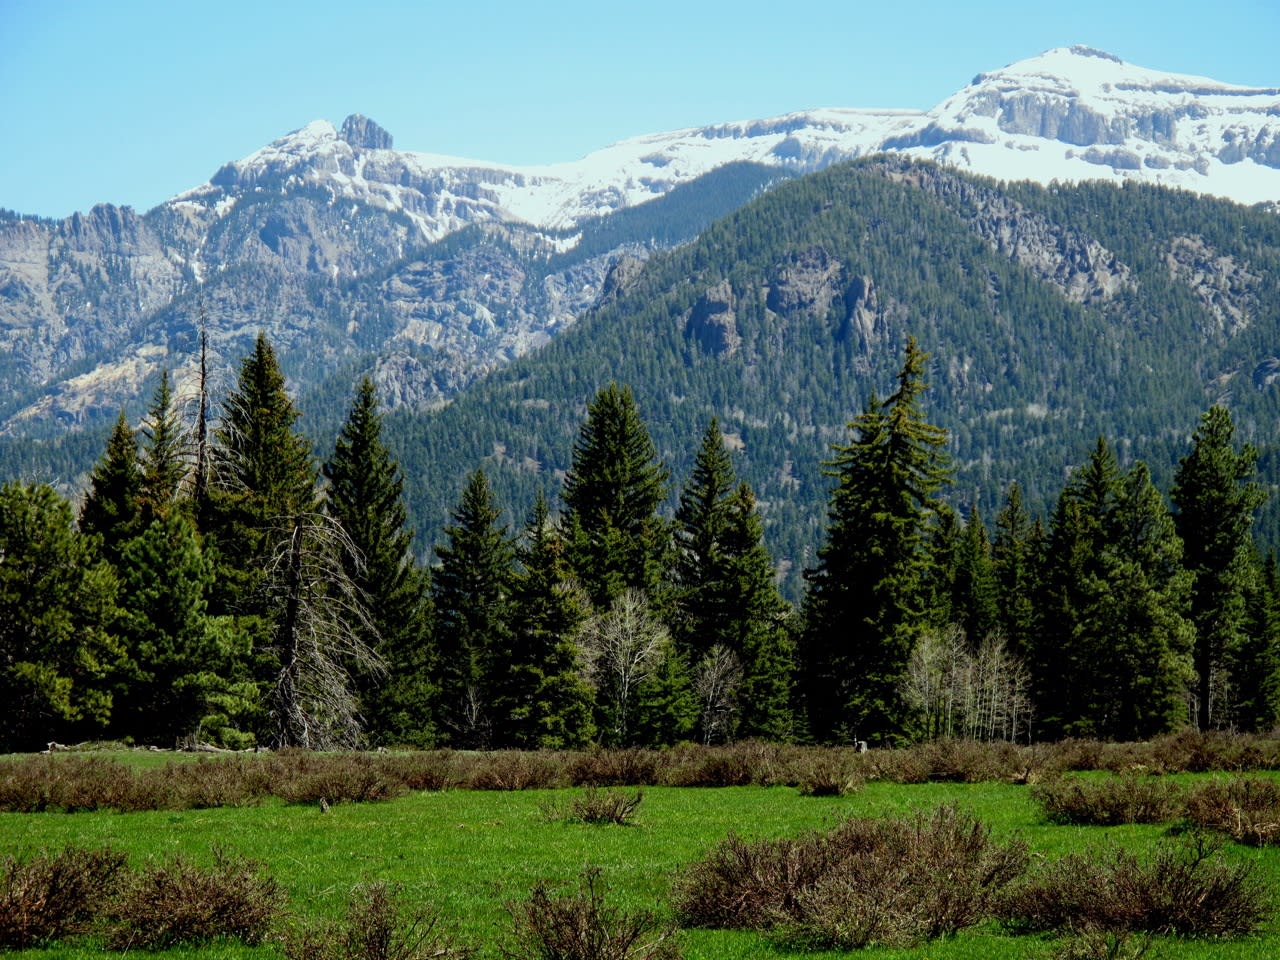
pixel 1053 316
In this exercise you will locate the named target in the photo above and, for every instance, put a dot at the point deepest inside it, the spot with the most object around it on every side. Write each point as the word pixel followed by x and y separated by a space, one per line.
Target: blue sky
pixel 133 101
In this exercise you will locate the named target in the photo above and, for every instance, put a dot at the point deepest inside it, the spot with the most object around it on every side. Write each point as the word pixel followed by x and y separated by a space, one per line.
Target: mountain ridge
pixel 427 272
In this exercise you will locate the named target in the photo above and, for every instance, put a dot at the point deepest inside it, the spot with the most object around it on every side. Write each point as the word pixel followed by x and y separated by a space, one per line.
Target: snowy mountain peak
pixel 1071 113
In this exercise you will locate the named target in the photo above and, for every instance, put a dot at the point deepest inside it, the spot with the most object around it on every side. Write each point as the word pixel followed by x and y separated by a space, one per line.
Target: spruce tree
pixel 110 507
pixel 164 453
pixel 1216 499
pixel 166 579
pixel 1014 566
pixel 263 477
pixel 1140 632
pixel 611 495
pixel 540 694
pixel 472 593
pixel 725 591
pixel 59 660
pixel 865 604
pixel 1256 662
pixel 973 589
pixel 365 494
pixel 1065 652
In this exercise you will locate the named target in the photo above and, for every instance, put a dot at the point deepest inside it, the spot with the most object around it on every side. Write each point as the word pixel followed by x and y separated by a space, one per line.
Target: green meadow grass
pixel 469 852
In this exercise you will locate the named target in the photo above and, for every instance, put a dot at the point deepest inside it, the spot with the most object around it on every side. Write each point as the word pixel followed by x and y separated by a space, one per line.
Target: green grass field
pixel 468 852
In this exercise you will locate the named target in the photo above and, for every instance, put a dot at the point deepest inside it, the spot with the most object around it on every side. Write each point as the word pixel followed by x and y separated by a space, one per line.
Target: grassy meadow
pixel 470 851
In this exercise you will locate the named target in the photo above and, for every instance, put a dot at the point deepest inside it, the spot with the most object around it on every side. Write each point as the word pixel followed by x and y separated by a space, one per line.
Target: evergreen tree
pixel 725 591
pixel 1256 664
pixel 1216 499
pixel 1014 566
pixel 471 589
pixel 263 477
pixel 973 591
pixel 611 496
pixel 1140 632
pixel 166 578
pixel 58 658
pixel 164 453
pixel 110 508
pixel 1065 653
pixel 865 602
pixel 541 697
pixel 365 494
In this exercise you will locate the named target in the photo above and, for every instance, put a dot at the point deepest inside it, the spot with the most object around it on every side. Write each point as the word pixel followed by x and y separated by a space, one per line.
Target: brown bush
pixel 334 778
pixel 1110 801
pixel 582 926
pixel 431 770
pixel 896 881
pixel 748 763
pixel 621 767
pixel 1183 889
pixel 1246 808
pixel 895 766
pixel 377 926
pixel 50 896
pixel 177 902
pixel 830 774
pixel 605 806
pixel 514 770
pixel 954 760
pixel 1214 752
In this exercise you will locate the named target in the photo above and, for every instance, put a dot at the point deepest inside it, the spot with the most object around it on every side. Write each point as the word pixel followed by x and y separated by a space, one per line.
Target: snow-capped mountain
pixel 323 237
pixel 1070 114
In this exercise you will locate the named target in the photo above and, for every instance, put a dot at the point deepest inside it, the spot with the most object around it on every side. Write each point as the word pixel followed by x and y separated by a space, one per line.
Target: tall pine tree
pixel 611 494
pixel 472 593
pixel 365 494
pixel 110 508
pixel 1216 499
pixel 725 591
pixel 864 606
pixel 540 692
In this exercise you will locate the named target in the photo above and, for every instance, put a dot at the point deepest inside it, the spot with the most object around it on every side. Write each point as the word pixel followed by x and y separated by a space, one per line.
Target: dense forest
pixel 221 584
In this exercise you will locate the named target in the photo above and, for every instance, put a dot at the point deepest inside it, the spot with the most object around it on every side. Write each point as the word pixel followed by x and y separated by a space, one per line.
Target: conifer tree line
pixel 222 585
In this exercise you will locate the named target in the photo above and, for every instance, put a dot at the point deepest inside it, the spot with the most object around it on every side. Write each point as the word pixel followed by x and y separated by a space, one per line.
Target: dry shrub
pixel 51 896
pixel 433 770
pixel 897 881
pixel 830 774
pixel 89 783
pixel 1246 808
pixel 619 767
pixel 1183 889
pixel 582 926
pixel 377 926
pixel 515 770
pixel 1077 756
pixel 334 778
pixel 1213 751
pixel 177 902
pixel 751 762
pixel 896 766
pixel 955 760
pixel 605 806
pixel 1109 802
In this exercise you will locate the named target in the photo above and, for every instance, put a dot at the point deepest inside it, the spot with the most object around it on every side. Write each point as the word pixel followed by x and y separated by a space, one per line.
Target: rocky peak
pixel 363 134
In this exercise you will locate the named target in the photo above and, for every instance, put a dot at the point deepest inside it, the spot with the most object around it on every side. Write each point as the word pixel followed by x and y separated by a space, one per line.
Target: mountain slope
pixel 1053 316
pixel 328 238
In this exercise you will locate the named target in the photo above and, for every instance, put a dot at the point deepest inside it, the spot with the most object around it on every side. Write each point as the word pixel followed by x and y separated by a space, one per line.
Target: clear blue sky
pixel 133 101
